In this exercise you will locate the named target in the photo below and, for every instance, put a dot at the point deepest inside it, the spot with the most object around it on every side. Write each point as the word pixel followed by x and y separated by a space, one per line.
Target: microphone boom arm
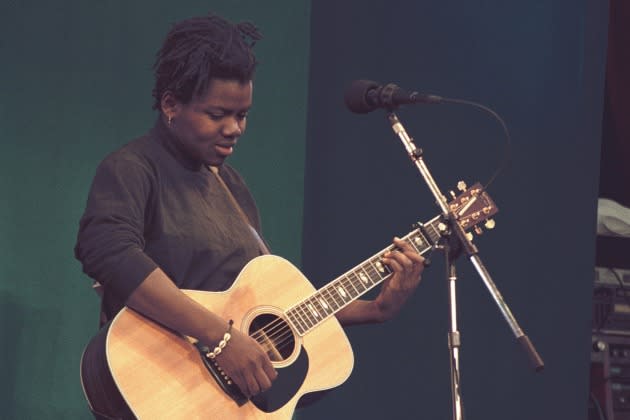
pixel 471 250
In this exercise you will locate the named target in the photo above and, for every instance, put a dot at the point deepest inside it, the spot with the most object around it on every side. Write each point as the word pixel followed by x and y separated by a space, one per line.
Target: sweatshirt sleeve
pixel 110 243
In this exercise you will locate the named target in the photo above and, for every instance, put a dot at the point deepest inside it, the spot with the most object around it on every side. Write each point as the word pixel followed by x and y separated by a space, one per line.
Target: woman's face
pixel 209 126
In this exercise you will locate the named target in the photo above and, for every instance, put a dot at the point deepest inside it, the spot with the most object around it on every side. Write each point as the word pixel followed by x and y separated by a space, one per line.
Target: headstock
pixel 472 207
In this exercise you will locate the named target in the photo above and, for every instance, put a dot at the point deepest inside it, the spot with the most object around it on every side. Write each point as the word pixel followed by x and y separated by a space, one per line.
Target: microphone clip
pixel 386 96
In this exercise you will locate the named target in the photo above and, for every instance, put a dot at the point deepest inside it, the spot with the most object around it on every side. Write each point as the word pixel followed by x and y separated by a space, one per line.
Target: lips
pixel 225 149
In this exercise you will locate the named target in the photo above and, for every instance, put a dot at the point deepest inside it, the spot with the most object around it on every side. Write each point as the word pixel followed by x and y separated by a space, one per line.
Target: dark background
pixel 541 67
pixel 614 169
pixel 76 82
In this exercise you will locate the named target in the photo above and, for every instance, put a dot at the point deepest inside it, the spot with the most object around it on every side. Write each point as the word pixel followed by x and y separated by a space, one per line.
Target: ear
pixel 169 105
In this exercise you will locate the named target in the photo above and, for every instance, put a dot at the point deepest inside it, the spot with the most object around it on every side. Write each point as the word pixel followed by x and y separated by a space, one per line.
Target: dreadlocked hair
pixel 202 48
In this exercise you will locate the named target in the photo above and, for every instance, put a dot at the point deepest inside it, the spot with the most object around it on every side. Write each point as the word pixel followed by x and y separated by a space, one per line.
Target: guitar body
pixel 134 367
pixel 161 375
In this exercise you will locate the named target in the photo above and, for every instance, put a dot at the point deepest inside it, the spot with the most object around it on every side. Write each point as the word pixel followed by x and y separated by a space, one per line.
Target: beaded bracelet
pixel 219 348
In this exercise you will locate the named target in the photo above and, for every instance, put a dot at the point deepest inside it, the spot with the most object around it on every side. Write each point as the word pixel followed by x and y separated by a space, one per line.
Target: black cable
pixel 508 145
pixel 600 411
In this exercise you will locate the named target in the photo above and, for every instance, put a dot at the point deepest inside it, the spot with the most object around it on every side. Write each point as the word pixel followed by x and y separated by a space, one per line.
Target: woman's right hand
pixel 247 364
pixel 243 359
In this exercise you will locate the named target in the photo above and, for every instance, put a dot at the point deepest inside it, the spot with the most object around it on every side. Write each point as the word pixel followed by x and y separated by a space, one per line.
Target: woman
pixel 165 212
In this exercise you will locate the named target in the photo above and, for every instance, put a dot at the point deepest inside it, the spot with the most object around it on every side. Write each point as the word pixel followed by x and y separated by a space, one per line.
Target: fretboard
pixel 337 294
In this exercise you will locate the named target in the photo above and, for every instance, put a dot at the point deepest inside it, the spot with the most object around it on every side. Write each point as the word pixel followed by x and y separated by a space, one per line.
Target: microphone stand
pixel 454 341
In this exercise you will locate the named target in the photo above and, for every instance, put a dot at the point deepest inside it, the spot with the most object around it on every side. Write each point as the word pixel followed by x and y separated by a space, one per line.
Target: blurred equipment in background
pixel 610 352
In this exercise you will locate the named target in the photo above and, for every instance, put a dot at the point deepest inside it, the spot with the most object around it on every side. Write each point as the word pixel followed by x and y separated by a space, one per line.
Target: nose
pixel 232 128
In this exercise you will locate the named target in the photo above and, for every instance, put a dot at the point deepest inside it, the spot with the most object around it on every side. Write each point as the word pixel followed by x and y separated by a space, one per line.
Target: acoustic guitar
pixel 160 374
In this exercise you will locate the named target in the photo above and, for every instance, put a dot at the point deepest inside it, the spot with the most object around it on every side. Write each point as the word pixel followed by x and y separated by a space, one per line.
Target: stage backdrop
pixel 540 66
pixel 76 84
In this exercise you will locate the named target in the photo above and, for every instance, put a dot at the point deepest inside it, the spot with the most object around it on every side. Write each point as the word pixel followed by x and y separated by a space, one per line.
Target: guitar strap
pixel 261 244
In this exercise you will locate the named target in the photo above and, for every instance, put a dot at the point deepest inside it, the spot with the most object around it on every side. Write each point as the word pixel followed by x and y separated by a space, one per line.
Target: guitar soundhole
pixel 274 335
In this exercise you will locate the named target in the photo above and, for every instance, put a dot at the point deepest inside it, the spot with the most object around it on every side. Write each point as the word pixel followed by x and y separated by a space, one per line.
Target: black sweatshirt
pixel 150 206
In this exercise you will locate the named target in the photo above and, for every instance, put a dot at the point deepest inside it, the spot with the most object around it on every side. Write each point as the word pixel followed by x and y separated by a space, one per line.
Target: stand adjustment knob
pixel 599 345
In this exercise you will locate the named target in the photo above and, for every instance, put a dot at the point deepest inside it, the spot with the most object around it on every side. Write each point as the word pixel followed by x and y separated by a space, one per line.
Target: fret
pixel 381 268
pixel 419 242
pixel 298 315
pixel 373 272
pixel 435 237
pixel 343 294
pixel 349 286
pixel 340 293
pixel 323 304
pixel 310 305
pixel 367 270
pixel 311 316
pixel 303 324
pixel 305 316
pixel 331 298
pixel 296 322
pixel 365 278
pixel 328 296
pixel 357 283
pixel 311 312
pixel 318 307
pixel 337 294
pixel 412 244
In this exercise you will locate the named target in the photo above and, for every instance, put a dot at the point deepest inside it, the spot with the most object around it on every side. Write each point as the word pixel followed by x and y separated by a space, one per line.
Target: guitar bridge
pixel 225 382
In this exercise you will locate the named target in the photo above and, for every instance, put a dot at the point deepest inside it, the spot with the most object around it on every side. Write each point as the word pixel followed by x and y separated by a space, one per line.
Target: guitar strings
pixel 277 334
pixel 304 314
pixel 268 329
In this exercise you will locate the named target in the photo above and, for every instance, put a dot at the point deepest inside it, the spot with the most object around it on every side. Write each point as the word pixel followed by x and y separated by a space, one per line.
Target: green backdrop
pixel 76 84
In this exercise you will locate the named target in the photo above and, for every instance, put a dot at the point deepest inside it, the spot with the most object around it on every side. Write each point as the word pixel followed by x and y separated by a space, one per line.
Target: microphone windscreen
pixel 356 96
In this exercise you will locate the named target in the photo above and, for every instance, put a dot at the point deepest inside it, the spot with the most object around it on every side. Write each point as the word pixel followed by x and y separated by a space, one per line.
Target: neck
pixel 171 142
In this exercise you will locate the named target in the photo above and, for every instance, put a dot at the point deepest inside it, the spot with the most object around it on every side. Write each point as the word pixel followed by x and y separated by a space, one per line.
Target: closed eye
pixel 216 116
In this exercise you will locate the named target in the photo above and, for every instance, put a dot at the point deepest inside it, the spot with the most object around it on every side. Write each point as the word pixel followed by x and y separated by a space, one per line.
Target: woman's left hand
pixel 407 266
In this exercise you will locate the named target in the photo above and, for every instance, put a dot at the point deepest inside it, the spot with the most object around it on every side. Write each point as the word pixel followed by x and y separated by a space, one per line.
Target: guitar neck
pixel 348 287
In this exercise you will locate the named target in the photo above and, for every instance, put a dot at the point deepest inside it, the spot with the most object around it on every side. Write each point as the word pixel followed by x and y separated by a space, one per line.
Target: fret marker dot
pixel 313 310
pixel 379 266
pixel 324 304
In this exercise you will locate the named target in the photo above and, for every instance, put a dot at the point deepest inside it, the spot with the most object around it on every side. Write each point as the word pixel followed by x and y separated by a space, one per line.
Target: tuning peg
pixel 469 236
pixel 461 185
pixel 490 224
pixel 478 230
pixel 452 193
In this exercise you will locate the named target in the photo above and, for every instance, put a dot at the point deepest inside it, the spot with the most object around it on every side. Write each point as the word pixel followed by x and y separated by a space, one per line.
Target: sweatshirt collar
pixel 173 146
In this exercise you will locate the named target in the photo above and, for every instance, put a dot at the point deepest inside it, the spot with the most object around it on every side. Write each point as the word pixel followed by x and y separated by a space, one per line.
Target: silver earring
pixel 170 119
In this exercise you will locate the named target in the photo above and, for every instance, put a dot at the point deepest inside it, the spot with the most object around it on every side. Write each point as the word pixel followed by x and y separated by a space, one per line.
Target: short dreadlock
pixel 199 49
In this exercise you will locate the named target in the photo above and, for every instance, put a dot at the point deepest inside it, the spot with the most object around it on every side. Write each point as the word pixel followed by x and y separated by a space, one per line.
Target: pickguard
pixel 286 385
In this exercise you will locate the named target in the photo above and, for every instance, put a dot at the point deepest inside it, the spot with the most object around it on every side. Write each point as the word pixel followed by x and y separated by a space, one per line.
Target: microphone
pixel 363 96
